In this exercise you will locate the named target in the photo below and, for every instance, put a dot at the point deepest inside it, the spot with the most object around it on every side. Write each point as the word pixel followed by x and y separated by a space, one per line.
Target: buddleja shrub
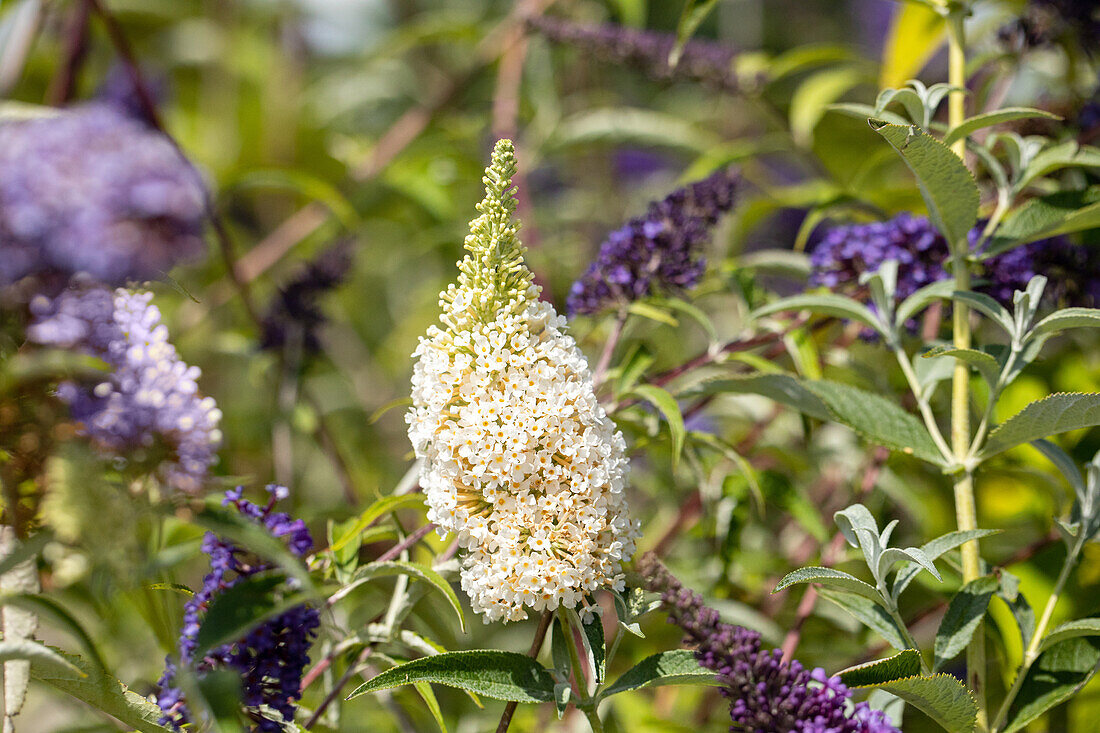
pixel 523 451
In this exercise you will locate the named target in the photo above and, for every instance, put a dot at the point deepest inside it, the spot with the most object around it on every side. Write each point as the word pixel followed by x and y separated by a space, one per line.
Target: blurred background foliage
pixel 367 122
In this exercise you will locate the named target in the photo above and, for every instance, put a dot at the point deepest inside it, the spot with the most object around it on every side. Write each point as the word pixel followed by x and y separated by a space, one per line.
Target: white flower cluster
pixel 518 456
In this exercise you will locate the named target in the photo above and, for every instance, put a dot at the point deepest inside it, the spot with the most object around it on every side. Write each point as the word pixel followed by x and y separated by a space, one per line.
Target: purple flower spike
pixel 657 252
pixel 767 694
pixel 151 397
pixel 846 252
pixel 272 657
pixel 95 191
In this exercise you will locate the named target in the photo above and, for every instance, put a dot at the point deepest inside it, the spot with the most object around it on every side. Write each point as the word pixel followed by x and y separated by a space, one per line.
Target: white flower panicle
pixel 518 456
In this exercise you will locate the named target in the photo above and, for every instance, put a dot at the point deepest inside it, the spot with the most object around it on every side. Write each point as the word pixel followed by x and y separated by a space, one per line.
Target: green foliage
pixel 495 674
pixel 1056 676
pixel 881 671
pixel 964 615
pixel 1058 413
pixel 941 697
pixel 677 667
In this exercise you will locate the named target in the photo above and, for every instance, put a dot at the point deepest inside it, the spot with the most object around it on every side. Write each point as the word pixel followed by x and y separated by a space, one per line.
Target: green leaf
pixel 1065 319
pixel 987 366
pixel 652 312
pixel 1058 413
pixel 49 610
pixel 677 667
pixel 1055 158
pixel 918 301
pixel 964 615
pixel 782 388
pixel 1070 630
pixel 102 692
pixel 988 119
pixel 666 404
pixel 693 14
pixel 240 608
pixel 813 96
pixel 941 697
pixel 385 505
pixel 828 304
pixel 832 578
pixel 496 674
pixel 17 627
pixel 594 645
pixel 1022 613
pixel 877 419
pixel 880 671
pixel 945 182
pixel 399 567
pixel 1055 677
pixel 869 613
pixel 988 307
pixel 28 650
pixel 428 696
pixel 1047 216
pixel 916 34
pixel 866 112
pixel 933 550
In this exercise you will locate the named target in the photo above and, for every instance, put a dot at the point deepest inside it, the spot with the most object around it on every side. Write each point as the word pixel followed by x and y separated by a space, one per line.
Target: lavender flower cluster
pixel 922 253
pixel 95 191
pixel 294 314
pixel 708 62
pixel 273 656
pixel 656 252
pixel 766 693
pixel 151 397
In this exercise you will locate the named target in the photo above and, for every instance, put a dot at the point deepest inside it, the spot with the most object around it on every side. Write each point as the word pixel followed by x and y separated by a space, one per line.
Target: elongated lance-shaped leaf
pixel 1070 630
pixel 922 298
pixel 828 304
pixel 946 184
pixel 371 514
pixel 1056 676
pixel 1065 319
pixel 377 570
pixel 101 691
pixel 868 612
pixel 783 388
pixel 964 615
pixel 941 697
pixel 881 671
pixel 987 366
pixel 832 578
pixel 496 674
pixel 1058 413
pixel 667 406
pixel 677 667
pixel 17 625
pixel 933 550
pixel 1047 216
pixel 988 119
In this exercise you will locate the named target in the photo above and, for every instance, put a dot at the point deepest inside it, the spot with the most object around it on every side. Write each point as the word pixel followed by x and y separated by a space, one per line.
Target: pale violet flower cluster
pixel 519 459
pixel 150 399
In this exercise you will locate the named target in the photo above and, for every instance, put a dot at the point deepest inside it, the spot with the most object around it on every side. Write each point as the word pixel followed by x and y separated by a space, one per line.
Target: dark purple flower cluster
pixel 708 62
pixel 659 251
pixel 767 694
pixel 151 397
pixel 846 252
pixel 1045 21
pixel 273 656
pixel 294 316
pixel 95 191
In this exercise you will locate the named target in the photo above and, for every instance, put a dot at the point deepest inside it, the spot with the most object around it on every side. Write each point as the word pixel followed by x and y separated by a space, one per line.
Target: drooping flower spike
pixel 519 459
pixel 713 64
pixel 660 252
pixel 767 694
pixel 272 657
pixel 151 399
pixel 922 255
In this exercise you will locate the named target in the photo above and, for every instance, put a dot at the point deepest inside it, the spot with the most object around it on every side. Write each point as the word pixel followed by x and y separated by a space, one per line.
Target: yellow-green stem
pixel 965 507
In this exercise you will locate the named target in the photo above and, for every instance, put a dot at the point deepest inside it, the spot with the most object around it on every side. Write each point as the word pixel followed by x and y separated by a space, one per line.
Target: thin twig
pixel 335 691
pixel 536 645
pixel 408 542
pixel 63 83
